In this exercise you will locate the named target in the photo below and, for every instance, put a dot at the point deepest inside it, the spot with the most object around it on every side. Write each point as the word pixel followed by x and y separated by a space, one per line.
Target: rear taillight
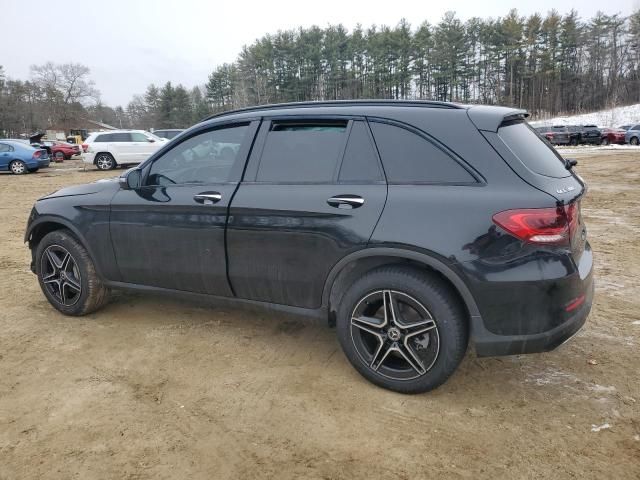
pixel 545 226
pixel 84 147
pixel 37 154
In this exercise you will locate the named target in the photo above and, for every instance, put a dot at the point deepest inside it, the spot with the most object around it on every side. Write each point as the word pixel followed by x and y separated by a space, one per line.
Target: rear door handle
pixel 208 198
pixel 346 201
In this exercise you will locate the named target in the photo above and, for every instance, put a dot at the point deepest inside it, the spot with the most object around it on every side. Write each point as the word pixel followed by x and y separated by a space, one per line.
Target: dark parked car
pixel 371 215
pixel 168 133
pixel 612 136
pixel 556 135
pixel 19 157
pixel 584 134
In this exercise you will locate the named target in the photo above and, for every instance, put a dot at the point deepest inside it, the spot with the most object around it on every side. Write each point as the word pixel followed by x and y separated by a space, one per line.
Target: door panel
pixel 282 240
pixel 164 237
pixel 286 232
pixel 171 232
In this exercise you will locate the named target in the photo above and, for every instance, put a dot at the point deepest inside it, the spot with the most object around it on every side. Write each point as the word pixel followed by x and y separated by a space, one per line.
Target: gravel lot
pixel 153 387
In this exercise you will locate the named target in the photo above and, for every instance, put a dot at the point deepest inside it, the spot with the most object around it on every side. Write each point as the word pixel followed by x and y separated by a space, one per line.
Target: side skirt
pixel 231 302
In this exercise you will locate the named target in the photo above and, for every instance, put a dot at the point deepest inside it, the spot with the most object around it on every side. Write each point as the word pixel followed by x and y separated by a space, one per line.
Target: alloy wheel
pixel 18 167
pixel 395 335
pixel 104 162
pixel 60 275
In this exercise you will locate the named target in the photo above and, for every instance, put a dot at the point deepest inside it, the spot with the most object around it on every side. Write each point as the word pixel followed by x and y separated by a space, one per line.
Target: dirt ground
pixel 153 387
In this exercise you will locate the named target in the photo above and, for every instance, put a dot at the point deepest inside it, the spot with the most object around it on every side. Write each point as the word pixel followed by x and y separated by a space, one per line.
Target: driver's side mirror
pixel 131 179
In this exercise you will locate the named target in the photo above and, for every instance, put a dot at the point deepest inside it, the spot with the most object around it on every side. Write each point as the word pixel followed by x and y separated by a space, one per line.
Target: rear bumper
pixel 489 344
pixel 44 163
pixel 530 307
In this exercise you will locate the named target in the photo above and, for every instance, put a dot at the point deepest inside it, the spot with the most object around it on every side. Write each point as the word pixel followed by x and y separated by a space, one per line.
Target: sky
pixel 129 44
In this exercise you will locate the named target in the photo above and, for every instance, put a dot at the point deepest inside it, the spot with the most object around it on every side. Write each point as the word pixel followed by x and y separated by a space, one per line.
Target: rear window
pixel 533 152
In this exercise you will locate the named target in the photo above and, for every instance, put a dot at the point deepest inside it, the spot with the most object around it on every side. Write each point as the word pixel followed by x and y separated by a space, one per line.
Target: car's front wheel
pixel 402 329
pixel 105 161
pixel 634 141
pixel 605 141
pixel 67 275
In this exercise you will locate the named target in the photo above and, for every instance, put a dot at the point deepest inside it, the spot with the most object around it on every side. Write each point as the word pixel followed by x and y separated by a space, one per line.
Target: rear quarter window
pixel 537 155
pixel 409 158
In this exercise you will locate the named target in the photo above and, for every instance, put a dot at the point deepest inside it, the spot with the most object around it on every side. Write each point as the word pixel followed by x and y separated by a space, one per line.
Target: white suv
pixel 107 150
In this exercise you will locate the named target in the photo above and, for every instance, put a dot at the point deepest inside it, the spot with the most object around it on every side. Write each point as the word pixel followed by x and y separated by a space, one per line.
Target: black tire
pixel 634 141
pixel 18 167
pixel 105 161
pixel 573 142
pixel 436 353
pixel 77 290
pixel 604 141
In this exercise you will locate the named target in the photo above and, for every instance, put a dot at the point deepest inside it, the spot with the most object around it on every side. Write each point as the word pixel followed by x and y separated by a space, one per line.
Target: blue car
pixel 19 157
pixel 632 135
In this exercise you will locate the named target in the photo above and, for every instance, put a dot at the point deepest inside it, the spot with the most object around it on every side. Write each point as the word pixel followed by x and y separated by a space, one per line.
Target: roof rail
pixel 340 103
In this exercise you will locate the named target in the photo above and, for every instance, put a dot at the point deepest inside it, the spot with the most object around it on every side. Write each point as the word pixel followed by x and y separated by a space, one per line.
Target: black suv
pixel 372 215
pixel 585 134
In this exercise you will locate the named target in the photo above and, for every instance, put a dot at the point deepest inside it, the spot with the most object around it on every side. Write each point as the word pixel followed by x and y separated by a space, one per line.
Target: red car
pixel 612 136
pixel 63 151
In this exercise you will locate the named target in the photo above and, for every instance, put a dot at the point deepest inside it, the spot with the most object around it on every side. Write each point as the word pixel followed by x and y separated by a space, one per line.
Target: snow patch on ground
pixel 613 117
pixel 597 428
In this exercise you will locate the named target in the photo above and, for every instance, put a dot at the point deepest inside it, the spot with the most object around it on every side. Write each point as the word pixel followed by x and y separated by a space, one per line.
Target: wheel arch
pixel 44 225
pixel 355 264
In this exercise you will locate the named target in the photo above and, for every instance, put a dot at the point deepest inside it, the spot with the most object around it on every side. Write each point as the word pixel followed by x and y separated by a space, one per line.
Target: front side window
pixel 301 152
pixel 410 158
pixel 103 138
pixel 204 158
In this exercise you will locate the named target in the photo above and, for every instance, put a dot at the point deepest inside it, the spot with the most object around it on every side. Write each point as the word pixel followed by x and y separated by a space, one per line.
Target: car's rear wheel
pixel 573 141
pixel 18 167
pixel 105 161
pixel 402 329
pixel 605 141
pixel 67 275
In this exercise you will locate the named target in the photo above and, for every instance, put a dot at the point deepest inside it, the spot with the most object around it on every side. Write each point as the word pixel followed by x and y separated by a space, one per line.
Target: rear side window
pixel 120 137
pixel 360 162
pixel 537 155
pixel 410 158
pixel 138 137
pixel 301 152
pixel 4 147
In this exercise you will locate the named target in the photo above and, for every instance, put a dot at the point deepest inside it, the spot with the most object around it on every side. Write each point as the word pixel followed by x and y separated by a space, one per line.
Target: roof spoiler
pixel 491 118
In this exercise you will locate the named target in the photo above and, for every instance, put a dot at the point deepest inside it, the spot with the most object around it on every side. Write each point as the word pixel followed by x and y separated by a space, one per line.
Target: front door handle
pixel 346 201
pixel 208 198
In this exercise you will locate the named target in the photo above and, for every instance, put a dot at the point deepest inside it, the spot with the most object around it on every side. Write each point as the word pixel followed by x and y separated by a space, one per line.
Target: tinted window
pixel 204 158
pixel 138 137
pixel 301 152
pixel 120 137
pixel 636 127
pixel 4 147
pixel 410 158
pixel 538 156
pixel 103 138
pixel 360 162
